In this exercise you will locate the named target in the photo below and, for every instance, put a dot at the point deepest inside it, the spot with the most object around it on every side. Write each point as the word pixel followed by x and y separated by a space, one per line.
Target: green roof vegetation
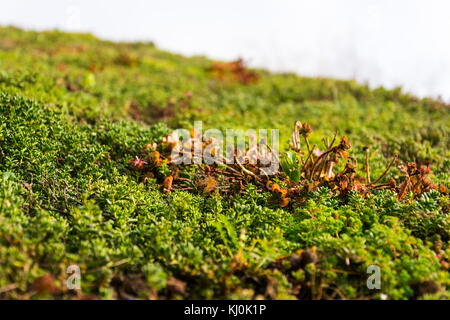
pixel 75 110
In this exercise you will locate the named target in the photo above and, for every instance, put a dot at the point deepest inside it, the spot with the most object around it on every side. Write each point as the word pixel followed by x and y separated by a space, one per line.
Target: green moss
pixel 74 110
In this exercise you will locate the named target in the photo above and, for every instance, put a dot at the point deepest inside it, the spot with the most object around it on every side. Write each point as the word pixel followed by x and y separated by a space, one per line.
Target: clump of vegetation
pixel 75 111
pixel 302 171
pixel 234 71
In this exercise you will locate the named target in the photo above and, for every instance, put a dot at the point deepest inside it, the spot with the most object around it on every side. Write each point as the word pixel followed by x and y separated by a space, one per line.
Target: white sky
pixel 383 42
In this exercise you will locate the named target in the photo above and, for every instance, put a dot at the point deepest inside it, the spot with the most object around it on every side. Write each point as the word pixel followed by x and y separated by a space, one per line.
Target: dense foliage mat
pixel 75 110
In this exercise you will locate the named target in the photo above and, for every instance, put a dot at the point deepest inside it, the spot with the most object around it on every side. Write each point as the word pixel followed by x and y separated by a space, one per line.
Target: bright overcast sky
pixel 383 42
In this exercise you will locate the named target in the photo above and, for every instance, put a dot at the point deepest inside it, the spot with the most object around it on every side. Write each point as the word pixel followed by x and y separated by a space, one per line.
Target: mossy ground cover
pixel 74 110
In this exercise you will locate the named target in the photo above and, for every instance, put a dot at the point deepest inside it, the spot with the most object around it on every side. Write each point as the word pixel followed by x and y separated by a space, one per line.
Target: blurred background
pixel 381 42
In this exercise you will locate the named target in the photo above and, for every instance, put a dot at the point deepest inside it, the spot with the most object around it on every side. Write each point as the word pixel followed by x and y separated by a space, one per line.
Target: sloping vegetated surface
pixel 85 180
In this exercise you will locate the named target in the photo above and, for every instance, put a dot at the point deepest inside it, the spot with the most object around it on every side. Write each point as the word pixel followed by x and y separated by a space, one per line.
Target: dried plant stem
pixel 323 166
pixel 382 186
pixel 325 142
pixel 367 167
pixel 307 158
pixel 273 153
pixel 334 140
pixel 386 170
pixel 307 144
pixel 310 155
pixel 296 136
pixel 233 170
pixel 317 161
pixel 245 170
